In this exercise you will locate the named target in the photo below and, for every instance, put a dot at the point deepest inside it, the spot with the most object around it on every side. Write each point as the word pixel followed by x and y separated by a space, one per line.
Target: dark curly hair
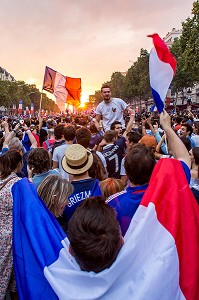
pixel 39 160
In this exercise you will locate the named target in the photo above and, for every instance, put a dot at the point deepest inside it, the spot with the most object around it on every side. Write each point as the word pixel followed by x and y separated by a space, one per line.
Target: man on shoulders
pixel 110 109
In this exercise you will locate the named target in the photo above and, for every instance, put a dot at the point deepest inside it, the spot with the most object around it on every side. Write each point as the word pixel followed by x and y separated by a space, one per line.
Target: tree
pixel 186 51
pixel 137 84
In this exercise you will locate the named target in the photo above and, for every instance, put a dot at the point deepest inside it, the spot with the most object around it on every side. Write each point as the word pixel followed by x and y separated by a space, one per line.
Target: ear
pixel 71 250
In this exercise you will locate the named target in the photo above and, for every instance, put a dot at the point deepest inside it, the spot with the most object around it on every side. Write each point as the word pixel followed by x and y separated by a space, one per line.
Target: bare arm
pixel 31 137
pixel 130 122
pixel 10 135
pixel 175 145
pixel 97 121
pixel 55 164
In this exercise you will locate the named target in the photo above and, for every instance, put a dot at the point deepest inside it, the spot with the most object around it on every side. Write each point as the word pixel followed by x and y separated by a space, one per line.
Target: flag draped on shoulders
pixel 162 67
pixel 159 258
pixel 64 88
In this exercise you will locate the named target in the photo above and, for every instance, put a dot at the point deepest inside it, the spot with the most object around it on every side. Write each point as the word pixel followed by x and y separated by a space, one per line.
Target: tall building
pixel 4 75
pixel 173 34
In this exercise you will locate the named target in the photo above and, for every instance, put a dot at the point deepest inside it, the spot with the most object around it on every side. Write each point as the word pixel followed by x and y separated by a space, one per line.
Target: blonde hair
pixel 111 186
pixel 54 191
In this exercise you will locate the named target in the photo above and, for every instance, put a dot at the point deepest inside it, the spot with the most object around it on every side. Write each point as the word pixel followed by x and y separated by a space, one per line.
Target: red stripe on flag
pixel 178 211
pixel 73 86
pixel 163 51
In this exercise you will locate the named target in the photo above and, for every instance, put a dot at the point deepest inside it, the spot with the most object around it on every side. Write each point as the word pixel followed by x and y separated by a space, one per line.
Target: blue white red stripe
pixel 159 257
pixel 162 67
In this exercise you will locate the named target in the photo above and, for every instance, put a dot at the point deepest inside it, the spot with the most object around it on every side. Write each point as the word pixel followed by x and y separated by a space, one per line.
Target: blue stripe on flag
pixel 158 102
pixel 32 252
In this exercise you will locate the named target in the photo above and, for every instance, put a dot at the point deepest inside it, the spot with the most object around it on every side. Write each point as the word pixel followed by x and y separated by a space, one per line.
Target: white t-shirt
pixel 112 112
pixel 57 156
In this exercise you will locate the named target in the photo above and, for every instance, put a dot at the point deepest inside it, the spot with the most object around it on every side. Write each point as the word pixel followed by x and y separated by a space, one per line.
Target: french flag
pixel 162 68
pixel 64 88
pixel 159 258
pixel 20 106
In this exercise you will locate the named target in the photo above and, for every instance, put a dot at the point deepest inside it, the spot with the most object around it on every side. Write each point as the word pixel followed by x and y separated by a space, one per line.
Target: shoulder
pixel 119 101
pixel 115 197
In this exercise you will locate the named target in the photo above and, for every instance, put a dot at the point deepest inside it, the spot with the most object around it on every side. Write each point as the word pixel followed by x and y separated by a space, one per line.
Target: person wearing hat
pixel 76 161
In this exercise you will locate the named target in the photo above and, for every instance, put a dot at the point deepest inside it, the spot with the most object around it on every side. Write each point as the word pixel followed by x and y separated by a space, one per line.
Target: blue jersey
pixel 113 154
pixel 82 189
pixel 127 201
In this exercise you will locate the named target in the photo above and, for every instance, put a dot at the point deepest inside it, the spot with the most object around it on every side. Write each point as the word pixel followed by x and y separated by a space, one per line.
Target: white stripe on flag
pixel 147 267
pixel 160 80
pixel 60 90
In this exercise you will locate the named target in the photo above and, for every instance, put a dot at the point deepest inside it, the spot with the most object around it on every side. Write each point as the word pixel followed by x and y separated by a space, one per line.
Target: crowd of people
pixel 76 161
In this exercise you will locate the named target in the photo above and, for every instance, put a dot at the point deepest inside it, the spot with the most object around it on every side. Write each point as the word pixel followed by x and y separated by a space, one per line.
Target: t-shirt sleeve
pixel 55 157
pixel 98 110
pixel 186 170
pixel 123 104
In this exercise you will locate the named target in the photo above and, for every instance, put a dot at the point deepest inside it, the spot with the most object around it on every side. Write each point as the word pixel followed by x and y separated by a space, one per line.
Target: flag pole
pixel 40 104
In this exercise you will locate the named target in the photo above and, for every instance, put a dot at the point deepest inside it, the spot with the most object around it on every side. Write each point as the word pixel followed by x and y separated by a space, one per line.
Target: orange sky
pixel 90 39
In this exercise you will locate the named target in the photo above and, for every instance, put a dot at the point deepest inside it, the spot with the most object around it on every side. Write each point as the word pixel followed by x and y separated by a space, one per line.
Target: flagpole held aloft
pixel 40 104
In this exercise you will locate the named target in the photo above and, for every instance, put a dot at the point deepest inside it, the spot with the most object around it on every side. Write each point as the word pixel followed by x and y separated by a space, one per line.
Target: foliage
pixel 186 51
pixel 12 91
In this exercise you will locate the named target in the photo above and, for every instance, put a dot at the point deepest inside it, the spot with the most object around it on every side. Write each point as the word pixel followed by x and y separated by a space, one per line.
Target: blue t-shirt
pixel 82 189
pixel 126 202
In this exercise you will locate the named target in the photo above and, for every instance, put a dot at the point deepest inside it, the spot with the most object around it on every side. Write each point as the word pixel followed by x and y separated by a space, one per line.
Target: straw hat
pixel 76 159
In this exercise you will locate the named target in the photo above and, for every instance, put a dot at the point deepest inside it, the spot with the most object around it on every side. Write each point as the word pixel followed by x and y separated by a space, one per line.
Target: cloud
pixel 87 38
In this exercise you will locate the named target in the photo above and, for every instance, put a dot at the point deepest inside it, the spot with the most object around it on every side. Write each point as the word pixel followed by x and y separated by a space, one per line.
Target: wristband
pixel 28 130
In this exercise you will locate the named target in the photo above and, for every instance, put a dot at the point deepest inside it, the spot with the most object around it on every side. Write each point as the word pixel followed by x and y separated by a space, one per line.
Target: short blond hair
pixel 54 191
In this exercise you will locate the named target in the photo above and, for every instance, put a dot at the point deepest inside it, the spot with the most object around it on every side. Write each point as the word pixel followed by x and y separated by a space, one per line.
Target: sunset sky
pixel 81 38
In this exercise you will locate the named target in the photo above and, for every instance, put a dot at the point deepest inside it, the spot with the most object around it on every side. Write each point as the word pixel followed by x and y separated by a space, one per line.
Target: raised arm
pixel 175 145
pixel 131 122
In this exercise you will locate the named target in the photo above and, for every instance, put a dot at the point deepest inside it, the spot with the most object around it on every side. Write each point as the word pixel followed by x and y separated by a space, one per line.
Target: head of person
pixel 69 133
pixel 132 137
pixel 93 129
pixel 15 144
pixel 51 133
pixel 77 160
pixel 149 141
pixel 94 235
pixel 194 155
pixel 96 170
pixel 117 127
pixel 54 191
pixel 106 92
pixel 186 142
pixel 139 164
pixel 39 160
pixel 83 136
pixel 110 136
pixel 111 186
pixel 186 130
pixel 10 162
pixel 196 127
pixel 59 131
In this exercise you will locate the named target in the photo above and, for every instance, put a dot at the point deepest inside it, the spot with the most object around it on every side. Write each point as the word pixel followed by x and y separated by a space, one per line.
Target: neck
pixel 108 101
pixel 81 177
pixel 194 166
pixel 69 142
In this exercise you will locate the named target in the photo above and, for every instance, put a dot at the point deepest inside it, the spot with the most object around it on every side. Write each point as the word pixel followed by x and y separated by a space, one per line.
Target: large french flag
pixel 162 67
pixel 159 258
pixel 64 88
